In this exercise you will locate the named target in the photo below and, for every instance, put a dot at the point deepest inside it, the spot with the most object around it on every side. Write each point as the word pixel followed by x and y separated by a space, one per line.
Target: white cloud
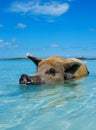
pixel 37 8
pixel 1 41
pixel 49 20
pixel 7 44
pixel 70 0
pixel 54 46
pixel 21 25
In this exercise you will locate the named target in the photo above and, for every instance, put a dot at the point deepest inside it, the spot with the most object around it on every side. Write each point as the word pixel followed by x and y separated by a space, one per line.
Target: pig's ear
pixel 34 59
pixel 70 69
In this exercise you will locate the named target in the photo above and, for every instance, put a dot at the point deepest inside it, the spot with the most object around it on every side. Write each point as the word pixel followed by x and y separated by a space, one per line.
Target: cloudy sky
pixel 48 27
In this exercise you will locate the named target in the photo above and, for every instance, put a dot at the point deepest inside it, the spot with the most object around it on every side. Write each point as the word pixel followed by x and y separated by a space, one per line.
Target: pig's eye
pixel 51 71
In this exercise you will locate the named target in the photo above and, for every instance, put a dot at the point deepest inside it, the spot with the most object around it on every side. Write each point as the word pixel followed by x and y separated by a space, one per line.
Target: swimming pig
pixel 54 69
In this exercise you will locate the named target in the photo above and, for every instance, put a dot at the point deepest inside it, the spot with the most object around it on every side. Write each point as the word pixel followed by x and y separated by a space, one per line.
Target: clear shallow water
pixel 63 106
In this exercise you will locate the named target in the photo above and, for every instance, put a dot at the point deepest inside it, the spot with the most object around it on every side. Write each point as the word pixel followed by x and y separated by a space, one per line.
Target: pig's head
pixel 50 70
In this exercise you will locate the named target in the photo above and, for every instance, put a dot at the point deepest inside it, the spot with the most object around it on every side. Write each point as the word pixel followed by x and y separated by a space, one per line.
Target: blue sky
pixel 48 27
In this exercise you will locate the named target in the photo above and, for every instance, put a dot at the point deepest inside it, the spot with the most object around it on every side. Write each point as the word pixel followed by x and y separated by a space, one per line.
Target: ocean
pixel 63 106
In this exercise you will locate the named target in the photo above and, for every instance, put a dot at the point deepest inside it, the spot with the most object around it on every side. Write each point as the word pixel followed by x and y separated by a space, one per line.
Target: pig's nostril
pixel 30 80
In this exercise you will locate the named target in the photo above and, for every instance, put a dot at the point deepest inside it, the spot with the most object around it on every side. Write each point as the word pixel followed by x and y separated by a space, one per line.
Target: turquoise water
pixel 66 106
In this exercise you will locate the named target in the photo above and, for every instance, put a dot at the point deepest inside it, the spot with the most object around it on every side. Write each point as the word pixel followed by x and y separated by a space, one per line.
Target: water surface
pixel 62 106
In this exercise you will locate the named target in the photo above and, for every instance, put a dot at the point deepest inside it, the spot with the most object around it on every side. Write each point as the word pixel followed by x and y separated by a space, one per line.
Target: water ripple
pixel 67 106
